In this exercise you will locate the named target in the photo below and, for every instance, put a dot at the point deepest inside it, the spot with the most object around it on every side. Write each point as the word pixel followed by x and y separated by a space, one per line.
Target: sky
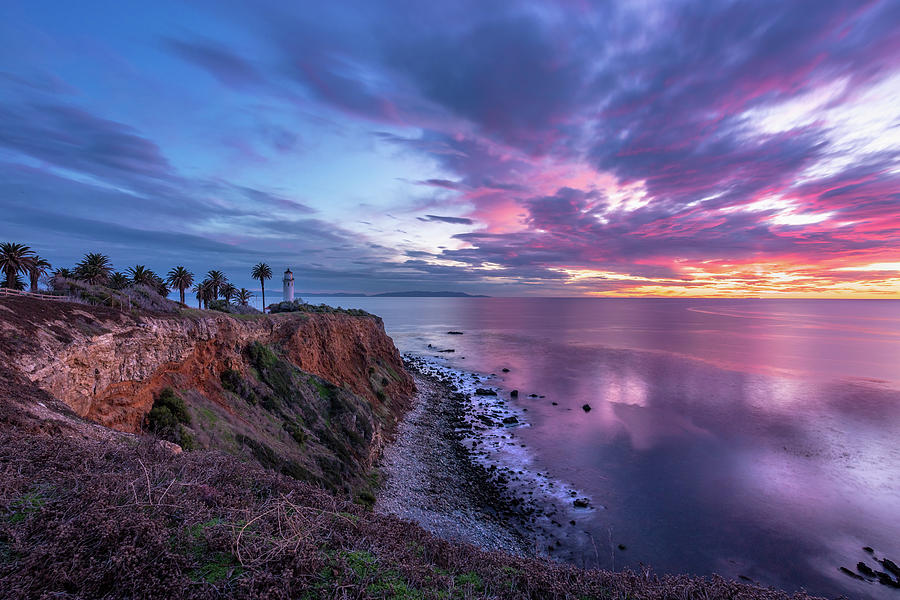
pixel 566 148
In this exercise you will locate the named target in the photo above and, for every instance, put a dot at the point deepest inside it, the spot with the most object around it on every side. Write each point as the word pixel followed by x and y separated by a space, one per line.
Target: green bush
pixel 233 381
pixel 168 417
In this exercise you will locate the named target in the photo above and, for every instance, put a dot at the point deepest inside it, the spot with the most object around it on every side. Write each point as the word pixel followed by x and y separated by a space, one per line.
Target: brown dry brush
pixel 84 519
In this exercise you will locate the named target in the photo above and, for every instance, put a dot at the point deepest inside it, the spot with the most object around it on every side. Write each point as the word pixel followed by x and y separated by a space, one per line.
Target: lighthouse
pixel 288 286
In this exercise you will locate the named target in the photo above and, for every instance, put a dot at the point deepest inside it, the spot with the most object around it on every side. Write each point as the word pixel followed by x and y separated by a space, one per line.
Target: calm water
pixel 749 437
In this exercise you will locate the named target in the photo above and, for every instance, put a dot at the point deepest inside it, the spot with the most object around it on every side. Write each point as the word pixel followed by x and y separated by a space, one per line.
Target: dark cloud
pixel 453 220
pixel 442 183
pixel 75 139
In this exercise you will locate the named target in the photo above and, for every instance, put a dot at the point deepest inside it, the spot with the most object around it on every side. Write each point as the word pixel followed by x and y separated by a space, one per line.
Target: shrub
pixel 136 296
pixel 300 306
pixel 147 298
pixel 233 309
pixel 167 419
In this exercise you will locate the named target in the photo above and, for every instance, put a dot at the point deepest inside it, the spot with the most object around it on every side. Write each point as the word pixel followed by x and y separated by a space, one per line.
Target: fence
pixel 66 298
pixel 12 292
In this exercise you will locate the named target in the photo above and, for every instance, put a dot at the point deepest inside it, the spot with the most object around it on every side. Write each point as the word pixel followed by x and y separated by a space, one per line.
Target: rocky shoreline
pixel 430 478
pixel 457 469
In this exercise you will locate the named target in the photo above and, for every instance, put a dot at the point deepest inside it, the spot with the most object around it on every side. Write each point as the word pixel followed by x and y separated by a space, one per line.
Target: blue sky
pixel 544 148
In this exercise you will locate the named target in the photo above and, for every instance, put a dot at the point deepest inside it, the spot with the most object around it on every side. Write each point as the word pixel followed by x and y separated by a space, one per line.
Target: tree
pixel 228 292
pixel 64 273
pixel 216 280
pixel 39 267
pixel 15 259
pixel 262 271
pixel 204 291
pixel 17 283
pixel 94 268
pixel 118 281
pixel 180 279
pixel 160 286
pixel 141 275
pixel 243 296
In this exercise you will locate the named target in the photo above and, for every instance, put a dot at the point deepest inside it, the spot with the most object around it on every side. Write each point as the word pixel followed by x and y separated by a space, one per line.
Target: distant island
pixel 414 294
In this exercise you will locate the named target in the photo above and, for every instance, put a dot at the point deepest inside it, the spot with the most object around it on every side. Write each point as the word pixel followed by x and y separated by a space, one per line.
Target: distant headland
pixel 414 294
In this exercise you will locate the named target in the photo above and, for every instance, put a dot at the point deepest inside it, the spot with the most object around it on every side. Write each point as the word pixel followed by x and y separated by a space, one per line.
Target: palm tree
pixel 228 292
pixel 243 296
pixel 159 285
pixel 141 275
pixel 15 259
pixel 204 291
pixel 262 271
pixel 216 280
pixel 118 281
pixel 64 272
pixel 198 289
pixel 39 267
pixel 17 284
pixel 180 279
pixel 94 268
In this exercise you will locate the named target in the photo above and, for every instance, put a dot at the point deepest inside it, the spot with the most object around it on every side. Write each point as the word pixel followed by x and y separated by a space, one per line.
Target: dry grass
pixel 89 519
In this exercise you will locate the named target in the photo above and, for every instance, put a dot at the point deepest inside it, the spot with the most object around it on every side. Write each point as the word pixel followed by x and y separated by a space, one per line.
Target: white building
pixel 288 286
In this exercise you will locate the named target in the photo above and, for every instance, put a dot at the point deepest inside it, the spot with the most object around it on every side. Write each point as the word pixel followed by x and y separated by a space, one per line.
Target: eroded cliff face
pixel 324 375
pixel 107 365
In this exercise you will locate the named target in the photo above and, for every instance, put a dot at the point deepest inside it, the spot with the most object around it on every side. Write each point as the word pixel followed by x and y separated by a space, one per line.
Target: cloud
pixel 591 146
pixel 452 220
pixel 227 67
pixel 72 138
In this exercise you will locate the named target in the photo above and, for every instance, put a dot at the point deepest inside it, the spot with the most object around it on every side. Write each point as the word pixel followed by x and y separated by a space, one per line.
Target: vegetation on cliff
pixel 300 306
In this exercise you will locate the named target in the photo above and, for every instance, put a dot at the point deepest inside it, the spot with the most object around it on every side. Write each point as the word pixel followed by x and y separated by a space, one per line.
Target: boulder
pixel 586 408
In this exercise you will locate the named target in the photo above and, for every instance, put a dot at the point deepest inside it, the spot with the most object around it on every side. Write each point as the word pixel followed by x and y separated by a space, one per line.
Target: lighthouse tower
pixel 288 286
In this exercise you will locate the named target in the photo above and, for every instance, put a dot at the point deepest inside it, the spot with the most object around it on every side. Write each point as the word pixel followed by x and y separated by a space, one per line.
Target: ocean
pixel 757 439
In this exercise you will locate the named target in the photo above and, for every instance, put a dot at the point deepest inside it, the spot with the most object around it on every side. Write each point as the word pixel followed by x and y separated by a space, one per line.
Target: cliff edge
pixel 309 394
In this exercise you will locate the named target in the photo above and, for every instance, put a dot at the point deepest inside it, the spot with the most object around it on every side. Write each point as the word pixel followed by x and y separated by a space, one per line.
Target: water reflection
pixel 755 438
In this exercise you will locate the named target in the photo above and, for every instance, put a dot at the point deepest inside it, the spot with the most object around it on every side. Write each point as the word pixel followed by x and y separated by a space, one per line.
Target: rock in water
pixel 581 503
pixel 885 579
pixel 850 573
pixel 891 566
pixel 510 420
pixel 514 394
pixel 485 392
pixel 586 408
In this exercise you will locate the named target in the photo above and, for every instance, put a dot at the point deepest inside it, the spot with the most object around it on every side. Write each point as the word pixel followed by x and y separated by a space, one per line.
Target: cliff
pixel 310 394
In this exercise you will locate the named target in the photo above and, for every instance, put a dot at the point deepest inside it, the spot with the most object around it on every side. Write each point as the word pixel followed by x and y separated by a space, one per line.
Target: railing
pixel 61 298
pixel 12 292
